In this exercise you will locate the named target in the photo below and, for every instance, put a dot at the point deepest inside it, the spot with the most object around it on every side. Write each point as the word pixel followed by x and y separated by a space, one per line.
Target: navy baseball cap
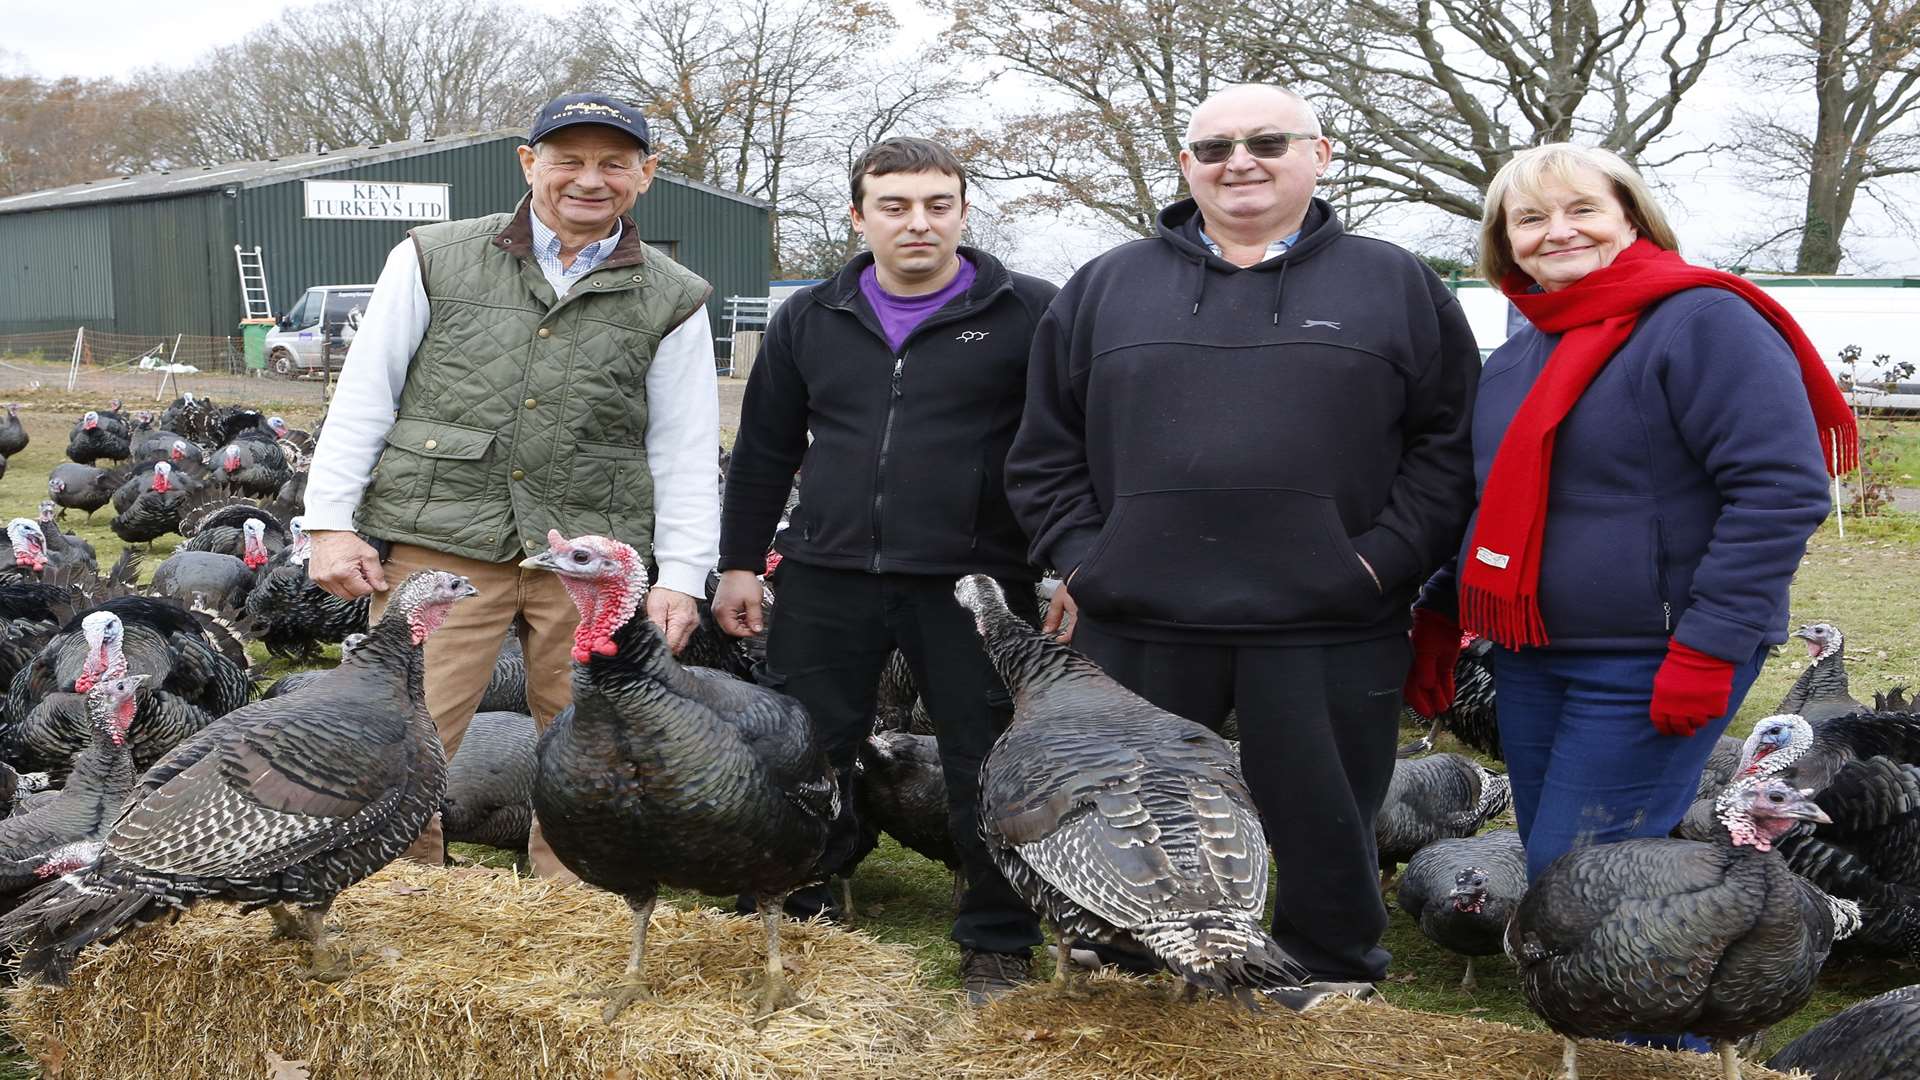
pixel 570 109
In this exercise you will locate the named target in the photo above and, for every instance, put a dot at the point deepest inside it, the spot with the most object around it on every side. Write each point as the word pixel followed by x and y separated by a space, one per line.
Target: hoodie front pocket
pixel 1227 558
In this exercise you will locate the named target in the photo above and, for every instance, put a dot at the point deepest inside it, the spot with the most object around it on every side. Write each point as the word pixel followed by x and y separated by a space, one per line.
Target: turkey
pixel 253 463
pixel 1461 891
pixel 96 435
pixel 664 775
pixel 1816 753
pixel 294 617
pixel 288 683
pixel 292 440
pixel 252 536
pixel 1870 851
pixel 81 487
pixel 489 796
pixel 42 843
pixel 1120 822
pixel 1820 693
pixel 902 790
pixel 507 690
pixel 281 805
pixel 16 786
pixel 1470 718
pixel 13 437
pixel 192 682
pixel 190 416
pixel 155 513
pixel 25 557
pixel 65 550
pixel 711 647
pixel 1433 798
pixel 31 612
pixel 209 578
pixel 1876 1039
pixel 896 700
pixel 1715 939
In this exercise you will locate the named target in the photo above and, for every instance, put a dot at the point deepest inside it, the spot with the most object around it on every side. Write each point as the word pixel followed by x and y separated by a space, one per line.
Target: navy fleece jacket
pixel 1684 483
pixel 1211 450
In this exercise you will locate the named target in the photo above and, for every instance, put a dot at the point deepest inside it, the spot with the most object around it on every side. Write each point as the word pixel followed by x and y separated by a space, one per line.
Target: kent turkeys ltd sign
pixel 363 200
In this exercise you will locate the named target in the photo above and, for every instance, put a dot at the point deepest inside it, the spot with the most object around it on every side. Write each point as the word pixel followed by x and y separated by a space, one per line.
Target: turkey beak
pixel 1807 810
pixel 542 561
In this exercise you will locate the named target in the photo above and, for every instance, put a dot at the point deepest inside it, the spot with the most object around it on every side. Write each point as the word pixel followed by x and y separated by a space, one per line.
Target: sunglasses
pixel 1270 144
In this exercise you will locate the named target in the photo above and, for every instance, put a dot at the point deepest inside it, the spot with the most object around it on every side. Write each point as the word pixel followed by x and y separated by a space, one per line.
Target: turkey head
pixel 607 581
pixel 105 658
pixel 1758 812
pixel 111 705
pixel 29 543
pixel 423 600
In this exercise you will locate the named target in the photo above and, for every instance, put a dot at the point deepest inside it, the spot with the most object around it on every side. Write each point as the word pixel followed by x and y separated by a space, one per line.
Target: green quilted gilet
pixel 523 412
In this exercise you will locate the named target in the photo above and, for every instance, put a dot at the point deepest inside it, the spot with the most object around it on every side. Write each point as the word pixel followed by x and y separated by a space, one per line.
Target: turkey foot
pixel 772 992
pixel 620 995
pixel 286 924
pixel 1066 981
pixel 330 962
pixel 632 986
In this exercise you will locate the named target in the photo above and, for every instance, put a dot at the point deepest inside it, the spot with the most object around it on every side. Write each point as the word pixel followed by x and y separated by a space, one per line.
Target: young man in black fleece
pixel 1246 441
pixel 909 370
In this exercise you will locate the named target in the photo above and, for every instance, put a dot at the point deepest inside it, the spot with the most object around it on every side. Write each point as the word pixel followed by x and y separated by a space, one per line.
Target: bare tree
pixel 1113 82
pixel 354 71
pixel 1434 96
pixel 1859 63
pixel 65 131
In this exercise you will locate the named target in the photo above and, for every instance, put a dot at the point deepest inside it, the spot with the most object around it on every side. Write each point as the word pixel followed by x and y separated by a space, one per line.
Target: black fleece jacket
pixel 905 470
pixel 1213 450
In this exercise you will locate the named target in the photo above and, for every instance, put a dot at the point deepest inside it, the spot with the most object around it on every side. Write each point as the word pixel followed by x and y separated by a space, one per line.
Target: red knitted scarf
pixel 1500 581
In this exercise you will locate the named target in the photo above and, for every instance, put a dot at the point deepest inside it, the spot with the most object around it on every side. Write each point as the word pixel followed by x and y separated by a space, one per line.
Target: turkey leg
pixel 326 962
pixel 632 985
pixel 286 924
pixel 773 992
pixel 1729 1061
pixel 1569 1065
pixel 1467 983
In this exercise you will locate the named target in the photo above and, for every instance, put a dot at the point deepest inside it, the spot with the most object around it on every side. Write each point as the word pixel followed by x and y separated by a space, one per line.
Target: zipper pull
pixel 1666 612
pixel 899 363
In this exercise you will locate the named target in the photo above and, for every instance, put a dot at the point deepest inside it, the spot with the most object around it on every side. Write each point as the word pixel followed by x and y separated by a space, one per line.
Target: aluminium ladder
pixel 253 283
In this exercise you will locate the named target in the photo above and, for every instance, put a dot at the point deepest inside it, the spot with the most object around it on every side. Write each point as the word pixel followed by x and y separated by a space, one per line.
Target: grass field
pixel 1864 584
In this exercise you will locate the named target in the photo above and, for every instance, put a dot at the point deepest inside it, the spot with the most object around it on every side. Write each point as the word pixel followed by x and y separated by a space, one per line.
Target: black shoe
pixel 988 975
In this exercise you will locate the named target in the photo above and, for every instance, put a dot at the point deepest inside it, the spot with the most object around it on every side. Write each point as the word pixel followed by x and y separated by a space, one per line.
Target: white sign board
pixel 367 200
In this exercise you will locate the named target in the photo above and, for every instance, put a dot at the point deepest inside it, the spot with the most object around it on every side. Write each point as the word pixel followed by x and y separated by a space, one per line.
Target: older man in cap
pixel 534 370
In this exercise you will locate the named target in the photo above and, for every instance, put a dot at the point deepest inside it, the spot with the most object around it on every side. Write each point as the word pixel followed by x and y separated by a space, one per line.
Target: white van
pixel 326 315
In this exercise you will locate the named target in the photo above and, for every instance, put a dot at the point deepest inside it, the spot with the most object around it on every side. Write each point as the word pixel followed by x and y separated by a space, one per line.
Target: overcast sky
pixel 1710 201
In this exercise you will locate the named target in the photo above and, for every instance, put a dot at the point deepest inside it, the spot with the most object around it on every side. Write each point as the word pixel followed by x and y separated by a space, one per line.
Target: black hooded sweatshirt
pixel 1212 450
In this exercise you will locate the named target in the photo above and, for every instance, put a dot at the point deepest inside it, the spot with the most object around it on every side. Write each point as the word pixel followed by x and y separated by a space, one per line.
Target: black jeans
pixel 832 633
pixel 1319 725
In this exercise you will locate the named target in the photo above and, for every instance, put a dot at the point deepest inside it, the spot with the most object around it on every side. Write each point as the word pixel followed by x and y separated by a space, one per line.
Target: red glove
pixel 1436 645
pixel 1690 690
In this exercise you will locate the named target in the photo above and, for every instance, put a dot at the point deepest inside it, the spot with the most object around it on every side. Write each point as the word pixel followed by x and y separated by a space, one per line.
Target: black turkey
pixel 294 617
pixel 65 550
pixel 661 775
pixel 1462 891
pixel 1120 822
pixel 902 790
pixel 1820 693
pixel 896 700
pixel 13 437
pixel 81 487
pixel 31 612
pixel 1876 1039
pixel 507 690
pixel 281 805
pixel 489 796
pixel 155 513
pixel 192 682
pixel 252 537
pixel 1817 752
pixel 292 440
pixel 98 434
pixel 1471 717
pixel 254 463
pixel 57 836
pixel 190 416
pixel 208 578
pixel 1716 939
pixel 288 683
pixel 1894 699
pixel 25 556
pixel 1433 798
pixel 1870 851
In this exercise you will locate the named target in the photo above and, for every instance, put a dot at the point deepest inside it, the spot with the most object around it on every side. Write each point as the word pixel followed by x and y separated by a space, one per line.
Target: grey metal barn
pixel 153 254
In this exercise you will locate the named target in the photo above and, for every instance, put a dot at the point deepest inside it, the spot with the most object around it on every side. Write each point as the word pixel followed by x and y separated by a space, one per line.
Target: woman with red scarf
pixel 1651 452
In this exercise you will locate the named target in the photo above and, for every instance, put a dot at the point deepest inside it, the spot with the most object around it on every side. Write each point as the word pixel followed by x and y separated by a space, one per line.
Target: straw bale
pixel 1124 1029
pixel 468 975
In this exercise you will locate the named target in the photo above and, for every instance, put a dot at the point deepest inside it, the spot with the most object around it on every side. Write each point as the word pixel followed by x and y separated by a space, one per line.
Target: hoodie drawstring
pixel 1280 290
pixel 1200 286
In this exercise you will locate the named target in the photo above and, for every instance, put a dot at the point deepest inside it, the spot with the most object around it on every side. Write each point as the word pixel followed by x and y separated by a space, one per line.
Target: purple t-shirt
pixel 899 315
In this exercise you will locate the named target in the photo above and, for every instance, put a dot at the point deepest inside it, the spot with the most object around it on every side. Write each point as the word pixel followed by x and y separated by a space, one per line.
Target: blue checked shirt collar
pixel 1276 247
pixel 546 250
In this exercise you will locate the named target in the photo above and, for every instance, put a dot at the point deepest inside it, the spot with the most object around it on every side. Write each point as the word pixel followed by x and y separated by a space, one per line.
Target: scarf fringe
pixel 1508 621
pixel 1840 448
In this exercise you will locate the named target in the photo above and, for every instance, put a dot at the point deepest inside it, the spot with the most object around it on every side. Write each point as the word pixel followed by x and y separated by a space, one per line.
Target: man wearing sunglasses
pixel 1244 447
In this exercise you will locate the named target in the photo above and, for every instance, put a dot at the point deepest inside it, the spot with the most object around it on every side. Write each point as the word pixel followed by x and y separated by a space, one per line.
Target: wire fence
pixel 139 367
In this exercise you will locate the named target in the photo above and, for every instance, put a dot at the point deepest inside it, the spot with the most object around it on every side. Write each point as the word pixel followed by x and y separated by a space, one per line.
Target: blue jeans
pixel 1586 764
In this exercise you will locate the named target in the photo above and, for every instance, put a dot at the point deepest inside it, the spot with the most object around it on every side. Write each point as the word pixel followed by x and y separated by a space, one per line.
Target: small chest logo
pixel 972 335
pixel 1311 323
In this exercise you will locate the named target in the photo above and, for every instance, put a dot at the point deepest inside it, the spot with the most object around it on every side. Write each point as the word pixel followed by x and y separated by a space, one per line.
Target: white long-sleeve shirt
pixel 683 423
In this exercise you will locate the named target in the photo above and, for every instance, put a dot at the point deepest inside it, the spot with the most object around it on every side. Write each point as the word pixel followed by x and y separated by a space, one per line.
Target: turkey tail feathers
pixel 1216 953
pixel 1496 795
pixel 57 921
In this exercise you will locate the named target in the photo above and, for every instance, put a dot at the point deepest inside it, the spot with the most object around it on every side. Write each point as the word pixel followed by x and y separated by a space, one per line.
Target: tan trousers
pixel 461 653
